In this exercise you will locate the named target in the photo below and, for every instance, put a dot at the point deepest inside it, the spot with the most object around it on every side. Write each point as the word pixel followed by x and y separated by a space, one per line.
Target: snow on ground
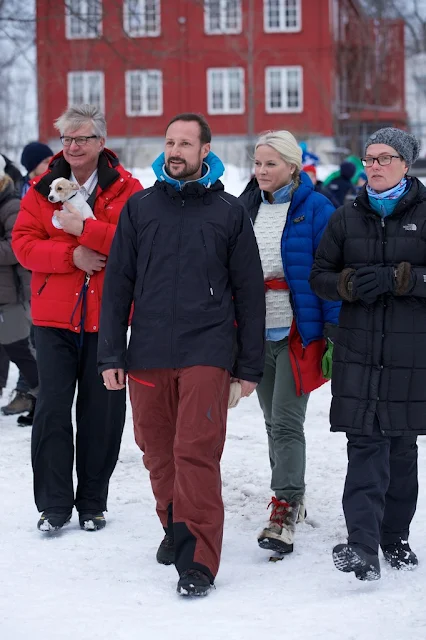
pixel 107 584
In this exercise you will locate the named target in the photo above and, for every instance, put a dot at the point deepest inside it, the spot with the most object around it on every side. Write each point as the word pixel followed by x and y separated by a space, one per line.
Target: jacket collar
pixel 59 168
pixel 213 169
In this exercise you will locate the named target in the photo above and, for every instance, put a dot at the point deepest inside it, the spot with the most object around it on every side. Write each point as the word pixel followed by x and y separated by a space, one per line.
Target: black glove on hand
pixel 371 282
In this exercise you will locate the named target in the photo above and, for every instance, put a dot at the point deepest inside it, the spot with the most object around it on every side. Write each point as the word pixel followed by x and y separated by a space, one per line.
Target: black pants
pixel 100 418
pixel 20 353
pixel 380 495
pixel 22 385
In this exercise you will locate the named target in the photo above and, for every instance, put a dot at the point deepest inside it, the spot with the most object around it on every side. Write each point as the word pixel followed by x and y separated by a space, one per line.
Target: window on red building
pixel 283 89
pixel 83 19
pixel 142 18
pixel 282 15
pixel 144 93
pixel 222 16
pixel 86 87
pixel 225 91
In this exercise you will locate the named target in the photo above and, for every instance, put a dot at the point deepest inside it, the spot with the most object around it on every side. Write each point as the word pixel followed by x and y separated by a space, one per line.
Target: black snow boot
pixel 193 583
pixel 399 555
pixel 351 557
pixel 53 520
pixel 166 551
pixel 92 521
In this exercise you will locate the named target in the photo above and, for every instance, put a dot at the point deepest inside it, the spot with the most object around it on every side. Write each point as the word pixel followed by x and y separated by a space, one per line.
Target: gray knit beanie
pixel 404 143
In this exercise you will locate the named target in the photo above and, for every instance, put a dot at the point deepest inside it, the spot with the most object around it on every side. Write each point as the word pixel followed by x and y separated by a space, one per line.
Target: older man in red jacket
pixel 68 264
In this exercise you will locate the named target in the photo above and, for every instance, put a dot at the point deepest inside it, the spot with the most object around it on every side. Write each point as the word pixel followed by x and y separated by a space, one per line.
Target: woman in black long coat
pixel 372 256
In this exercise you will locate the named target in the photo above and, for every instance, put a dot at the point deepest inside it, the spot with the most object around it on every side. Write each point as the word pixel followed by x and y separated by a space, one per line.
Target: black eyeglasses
pixel 79 140
pixel 382 160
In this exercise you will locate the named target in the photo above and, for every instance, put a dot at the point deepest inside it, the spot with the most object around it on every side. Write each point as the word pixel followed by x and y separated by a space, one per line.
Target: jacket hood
pixel 108 171
pixel 213 169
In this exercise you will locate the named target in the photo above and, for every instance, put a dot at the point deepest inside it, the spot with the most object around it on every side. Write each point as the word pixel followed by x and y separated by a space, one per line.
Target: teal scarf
pixel 384 203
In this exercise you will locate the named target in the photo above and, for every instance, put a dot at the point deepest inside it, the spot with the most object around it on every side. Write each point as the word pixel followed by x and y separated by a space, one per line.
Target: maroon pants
pixel 179 418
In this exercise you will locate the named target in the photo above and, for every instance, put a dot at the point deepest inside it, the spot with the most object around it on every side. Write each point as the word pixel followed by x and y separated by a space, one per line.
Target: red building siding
pixel 183 52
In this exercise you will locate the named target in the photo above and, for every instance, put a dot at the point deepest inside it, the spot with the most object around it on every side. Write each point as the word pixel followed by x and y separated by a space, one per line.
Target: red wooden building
pixel 319 68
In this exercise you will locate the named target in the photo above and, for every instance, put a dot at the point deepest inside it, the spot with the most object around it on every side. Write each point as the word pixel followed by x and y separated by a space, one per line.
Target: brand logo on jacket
pixel 410 227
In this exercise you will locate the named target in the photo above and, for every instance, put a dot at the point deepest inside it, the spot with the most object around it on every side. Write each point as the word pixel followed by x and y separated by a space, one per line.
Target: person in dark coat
pixel 35 158
pixel 372 256
pixel 340 187
pixel 289 218
pixel 186 254
pixel 15 320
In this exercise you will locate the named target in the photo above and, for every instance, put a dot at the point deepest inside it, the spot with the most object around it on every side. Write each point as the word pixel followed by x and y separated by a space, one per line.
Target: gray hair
pixel 78 115
pixel 285 144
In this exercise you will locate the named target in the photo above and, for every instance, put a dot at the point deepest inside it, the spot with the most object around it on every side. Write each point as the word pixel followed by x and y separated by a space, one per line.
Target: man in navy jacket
pixel 186 254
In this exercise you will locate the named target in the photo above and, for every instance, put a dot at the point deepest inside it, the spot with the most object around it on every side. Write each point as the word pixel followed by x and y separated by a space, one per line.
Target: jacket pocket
pixel 145 249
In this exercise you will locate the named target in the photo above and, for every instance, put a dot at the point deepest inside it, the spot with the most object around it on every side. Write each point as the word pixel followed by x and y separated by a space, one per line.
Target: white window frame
pixel 284 79
pixel 226 109
pixel 87 77
pixel 282 28
pixel 142 32
pixel 79 14
pixel 222 29
pixel 143 76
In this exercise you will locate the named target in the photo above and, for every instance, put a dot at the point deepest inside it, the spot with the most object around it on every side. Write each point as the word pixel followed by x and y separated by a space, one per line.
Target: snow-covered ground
pixel 108 585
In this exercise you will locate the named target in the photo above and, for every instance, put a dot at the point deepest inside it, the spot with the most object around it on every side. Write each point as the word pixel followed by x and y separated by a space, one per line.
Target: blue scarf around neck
pixel 384 203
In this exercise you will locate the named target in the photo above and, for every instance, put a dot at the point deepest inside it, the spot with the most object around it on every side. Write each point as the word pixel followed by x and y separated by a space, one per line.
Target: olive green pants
pixel 284 414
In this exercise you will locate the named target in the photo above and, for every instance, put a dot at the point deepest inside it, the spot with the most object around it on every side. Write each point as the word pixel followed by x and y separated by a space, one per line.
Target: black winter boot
pixel 28 419
pixel 53 520
pixel 193 583
pixel 91 521
pixel 166 551
pixel 399 555
pixel 351 557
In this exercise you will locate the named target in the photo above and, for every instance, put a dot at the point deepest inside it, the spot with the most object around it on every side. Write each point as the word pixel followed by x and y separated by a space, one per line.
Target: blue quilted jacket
pixel 307 219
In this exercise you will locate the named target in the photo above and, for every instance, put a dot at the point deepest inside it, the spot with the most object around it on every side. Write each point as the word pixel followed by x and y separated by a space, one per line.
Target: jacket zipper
pixel 176 282
pixel 383 225
pixel 207 262
pixel 294 316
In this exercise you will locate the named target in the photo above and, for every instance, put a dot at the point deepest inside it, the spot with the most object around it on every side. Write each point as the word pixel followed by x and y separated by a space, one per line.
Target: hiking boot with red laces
pixel 278 535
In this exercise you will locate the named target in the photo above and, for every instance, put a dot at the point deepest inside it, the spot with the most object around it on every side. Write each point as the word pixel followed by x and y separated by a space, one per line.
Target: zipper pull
pixel 383 222
pixel 211 291
pixel 87 280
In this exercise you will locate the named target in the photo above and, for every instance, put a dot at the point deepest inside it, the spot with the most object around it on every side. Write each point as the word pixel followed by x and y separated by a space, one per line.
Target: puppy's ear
pixel 74 186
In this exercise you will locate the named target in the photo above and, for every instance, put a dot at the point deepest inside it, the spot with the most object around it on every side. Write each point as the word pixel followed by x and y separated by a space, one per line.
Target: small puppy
pixel 62 190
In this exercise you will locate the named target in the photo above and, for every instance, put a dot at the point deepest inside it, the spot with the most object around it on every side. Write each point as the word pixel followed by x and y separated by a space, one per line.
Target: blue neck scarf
pixel 281 195
pixel 384 203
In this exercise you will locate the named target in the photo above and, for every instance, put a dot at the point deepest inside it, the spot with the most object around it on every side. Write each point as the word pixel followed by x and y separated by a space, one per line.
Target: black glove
pixel 371 282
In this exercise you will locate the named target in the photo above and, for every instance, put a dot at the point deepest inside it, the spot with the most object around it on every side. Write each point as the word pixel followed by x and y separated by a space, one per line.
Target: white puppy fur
pixel 62 190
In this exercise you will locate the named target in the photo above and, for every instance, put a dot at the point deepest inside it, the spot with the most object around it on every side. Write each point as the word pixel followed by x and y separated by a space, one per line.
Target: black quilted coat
pixel 379 364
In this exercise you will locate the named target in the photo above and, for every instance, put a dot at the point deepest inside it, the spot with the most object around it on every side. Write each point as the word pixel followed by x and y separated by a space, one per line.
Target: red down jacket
pixel 57 284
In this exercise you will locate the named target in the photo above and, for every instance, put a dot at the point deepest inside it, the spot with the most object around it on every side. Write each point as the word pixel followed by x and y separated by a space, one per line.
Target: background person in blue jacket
pixel 289 218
